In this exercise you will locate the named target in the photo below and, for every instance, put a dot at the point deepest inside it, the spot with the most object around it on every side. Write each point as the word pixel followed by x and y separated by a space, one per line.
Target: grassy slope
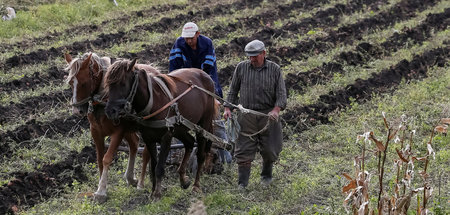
pixel 308 174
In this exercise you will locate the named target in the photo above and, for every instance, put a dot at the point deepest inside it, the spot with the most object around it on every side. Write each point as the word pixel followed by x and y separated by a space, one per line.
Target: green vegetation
pixel 56 16
pixel 309 174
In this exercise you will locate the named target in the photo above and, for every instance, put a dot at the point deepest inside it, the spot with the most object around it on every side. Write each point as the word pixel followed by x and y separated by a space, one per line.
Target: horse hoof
pixel 140 186
pixel 186 184
pixel 132 182
pixel 156 196
pixel 196 189
pixel 99 198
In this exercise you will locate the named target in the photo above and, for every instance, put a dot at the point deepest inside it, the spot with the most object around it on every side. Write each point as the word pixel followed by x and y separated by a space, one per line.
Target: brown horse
pixel 128 90
pixel 86 80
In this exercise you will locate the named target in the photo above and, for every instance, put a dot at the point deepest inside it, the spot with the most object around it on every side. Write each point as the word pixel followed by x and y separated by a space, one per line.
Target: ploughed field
pixel 341 60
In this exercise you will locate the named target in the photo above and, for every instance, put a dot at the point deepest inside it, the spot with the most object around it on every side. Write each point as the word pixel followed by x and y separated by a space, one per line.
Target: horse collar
pixel 164 87
pixel 149 105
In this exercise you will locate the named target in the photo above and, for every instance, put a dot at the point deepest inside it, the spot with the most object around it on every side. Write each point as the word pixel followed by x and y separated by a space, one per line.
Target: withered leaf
pixel 400 154
pixel 351 185
pixel 379 144
pixel 419 159
pixel 347 176
pixel 441 129
pixel 393 134
pixel 445 121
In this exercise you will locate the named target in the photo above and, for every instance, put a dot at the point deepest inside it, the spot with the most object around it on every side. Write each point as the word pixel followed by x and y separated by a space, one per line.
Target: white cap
pixel 189 30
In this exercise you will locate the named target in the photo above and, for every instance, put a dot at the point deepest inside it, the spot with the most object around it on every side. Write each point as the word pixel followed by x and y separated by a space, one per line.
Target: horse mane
pixel 117 71
pixel 75 65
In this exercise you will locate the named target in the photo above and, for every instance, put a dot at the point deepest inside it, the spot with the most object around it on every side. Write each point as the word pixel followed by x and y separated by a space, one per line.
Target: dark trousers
pixel 268 142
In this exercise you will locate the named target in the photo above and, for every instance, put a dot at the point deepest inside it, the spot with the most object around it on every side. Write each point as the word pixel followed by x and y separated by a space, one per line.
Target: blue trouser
pixel 219 130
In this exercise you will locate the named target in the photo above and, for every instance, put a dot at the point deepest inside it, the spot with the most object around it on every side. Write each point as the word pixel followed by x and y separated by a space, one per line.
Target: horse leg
pixel 159 172
pixel 202 147
pixel 150 147
pixel 145 160
pixel 100 195
pixel 133 142
pixel 188 142
pixel 100 148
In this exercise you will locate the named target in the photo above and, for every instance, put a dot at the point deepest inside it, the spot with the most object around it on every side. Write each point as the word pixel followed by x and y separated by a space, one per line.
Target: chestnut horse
pixel 129 91
pixel 86 80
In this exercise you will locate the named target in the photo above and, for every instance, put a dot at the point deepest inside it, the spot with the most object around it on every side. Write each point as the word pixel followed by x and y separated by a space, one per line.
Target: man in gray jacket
pixel 260 86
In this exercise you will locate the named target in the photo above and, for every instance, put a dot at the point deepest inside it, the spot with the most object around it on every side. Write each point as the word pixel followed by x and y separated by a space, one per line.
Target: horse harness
pixel 177 119
pixel 169 121
pixel 93 99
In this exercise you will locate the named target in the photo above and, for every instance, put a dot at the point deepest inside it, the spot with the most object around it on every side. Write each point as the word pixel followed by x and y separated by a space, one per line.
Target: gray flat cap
pixel 254 47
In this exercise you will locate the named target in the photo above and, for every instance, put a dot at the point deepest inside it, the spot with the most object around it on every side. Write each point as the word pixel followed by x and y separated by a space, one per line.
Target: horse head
pixel 85 74
pixel 120 82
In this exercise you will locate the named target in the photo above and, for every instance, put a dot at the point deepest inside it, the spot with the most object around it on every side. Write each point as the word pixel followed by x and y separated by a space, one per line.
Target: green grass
pixel 41 18
pixel 16 98
pixel 373 37
pixel 308 176
pixel 42 151
pixel 312 93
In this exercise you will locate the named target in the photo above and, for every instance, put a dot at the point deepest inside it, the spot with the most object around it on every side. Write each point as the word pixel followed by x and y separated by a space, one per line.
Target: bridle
pixel 91 98
pixel 132 93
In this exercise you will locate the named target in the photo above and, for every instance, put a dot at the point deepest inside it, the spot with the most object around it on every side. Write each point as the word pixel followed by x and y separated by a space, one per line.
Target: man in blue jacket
pixel 193 50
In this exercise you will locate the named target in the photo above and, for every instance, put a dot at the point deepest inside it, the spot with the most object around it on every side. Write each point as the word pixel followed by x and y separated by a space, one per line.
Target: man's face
pixel 258 60
pixel 192 42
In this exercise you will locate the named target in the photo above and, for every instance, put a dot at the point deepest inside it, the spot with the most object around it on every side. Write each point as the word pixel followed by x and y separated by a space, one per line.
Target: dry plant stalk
pixel 357 191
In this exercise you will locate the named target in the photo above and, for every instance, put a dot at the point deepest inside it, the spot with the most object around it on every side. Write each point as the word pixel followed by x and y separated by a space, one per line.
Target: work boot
pixel 244 175
pixel 266 173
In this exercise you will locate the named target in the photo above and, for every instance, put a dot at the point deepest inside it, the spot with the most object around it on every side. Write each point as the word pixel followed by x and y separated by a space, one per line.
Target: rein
pixel 82 102
pixel 192 86
pixel 238 107
pixel 168 104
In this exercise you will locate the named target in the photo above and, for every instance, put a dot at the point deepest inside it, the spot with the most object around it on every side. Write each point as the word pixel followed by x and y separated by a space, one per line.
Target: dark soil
pixel 156 53
pixel 34 81
pixel 86 29
pixel 366 52
pixel 34 105
pixel 303 117
pixel 21 136
pixel 29 188
pixel 107 40
pixel 347 34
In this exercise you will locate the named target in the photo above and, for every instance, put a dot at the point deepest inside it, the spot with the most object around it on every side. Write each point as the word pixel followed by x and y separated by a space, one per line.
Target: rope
pixel 233 127
pixel 258 132
pixel 242 109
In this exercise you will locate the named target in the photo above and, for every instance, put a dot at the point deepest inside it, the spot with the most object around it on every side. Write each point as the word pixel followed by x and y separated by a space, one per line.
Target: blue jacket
pixel 204 58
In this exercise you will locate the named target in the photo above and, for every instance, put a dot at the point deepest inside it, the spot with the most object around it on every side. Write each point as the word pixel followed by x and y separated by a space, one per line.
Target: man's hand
pixel 274 114
pixel 226 113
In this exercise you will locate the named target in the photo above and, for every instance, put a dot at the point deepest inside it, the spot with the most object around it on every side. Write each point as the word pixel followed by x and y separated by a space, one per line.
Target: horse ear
pixel 86 62
pixel 68 57
pixel 130 68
